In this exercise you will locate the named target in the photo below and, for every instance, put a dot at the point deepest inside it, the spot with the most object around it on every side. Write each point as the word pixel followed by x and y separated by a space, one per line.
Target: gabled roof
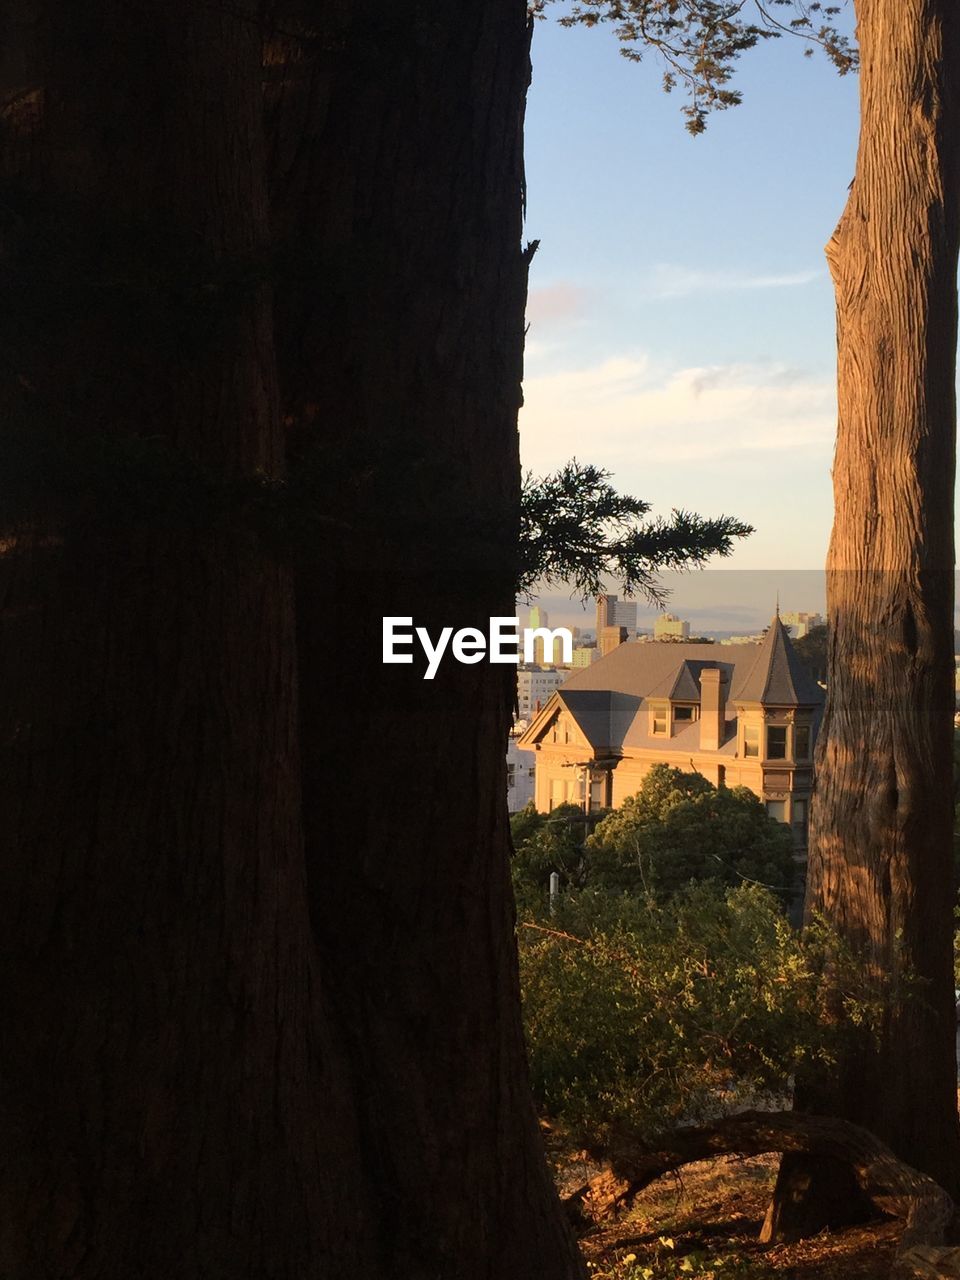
pixel 778 677
pixel 591 711
pixel 606 699
pixel 602 717
pixel 653 669
pixel 682 685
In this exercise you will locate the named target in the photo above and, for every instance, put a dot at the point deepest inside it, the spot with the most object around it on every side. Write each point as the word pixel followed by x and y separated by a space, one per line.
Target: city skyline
pixel 712 599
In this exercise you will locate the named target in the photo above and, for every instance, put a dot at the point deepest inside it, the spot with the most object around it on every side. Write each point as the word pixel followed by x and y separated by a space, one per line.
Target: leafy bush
pixel 654 1013
pixel 544 843
pixel 679 828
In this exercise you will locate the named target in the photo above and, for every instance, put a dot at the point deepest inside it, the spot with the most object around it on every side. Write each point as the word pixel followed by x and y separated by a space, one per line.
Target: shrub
pixel 680 828
pixel 652 1013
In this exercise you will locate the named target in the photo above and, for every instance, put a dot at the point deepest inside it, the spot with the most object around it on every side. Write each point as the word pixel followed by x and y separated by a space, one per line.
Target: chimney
pixel 713 708
pixel 609 638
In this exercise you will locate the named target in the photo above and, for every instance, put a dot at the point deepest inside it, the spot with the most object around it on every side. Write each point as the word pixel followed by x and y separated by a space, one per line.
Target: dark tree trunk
pixel 173 1103
pixel 880 861
pixel 220 1057
pixel 398 181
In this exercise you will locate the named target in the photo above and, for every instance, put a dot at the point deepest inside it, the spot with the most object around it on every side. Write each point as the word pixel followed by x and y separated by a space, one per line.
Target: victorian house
pixel 741 715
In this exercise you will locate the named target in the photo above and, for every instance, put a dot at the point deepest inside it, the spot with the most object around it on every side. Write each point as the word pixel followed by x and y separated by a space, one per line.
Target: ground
pixel 706 1225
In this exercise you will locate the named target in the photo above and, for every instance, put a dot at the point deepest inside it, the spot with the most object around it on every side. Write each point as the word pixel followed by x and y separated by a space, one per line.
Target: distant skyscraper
pixel 801 624
pixel 610 631
pixel 585 656
pixel 540 618
pixel 606 606
pixel 669 627
pixel 625 615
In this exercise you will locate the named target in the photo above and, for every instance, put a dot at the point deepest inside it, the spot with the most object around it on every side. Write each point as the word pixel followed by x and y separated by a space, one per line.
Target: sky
pixel 681 317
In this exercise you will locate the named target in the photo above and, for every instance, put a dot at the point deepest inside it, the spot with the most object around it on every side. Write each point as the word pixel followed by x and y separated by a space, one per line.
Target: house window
pixel 659 727
pixel 751 740
pixel 683 713
pixel 800 816
pixel 777 742
pixel 777 809
pixel 801 738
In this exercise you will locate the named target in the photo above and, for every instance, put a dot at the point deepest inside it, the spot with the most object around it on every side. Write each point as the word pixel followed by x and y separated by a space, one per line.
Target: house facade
pixel 741 715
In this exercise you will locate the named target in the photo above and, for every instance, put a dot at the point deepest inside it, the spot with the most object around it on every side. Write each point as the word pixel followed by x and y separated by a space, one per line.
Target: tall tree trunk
pixel 173 1103
pixel 176 1099
pixel 398 182
pixel 880 866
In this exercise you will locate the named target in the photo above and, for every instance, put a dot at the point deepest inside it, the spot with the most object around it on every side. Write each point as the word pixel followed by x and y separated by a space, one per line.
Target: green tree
pixel 545 843
pixel 700 41
pixel 647 1014
pixel 680 828
pixel 811 649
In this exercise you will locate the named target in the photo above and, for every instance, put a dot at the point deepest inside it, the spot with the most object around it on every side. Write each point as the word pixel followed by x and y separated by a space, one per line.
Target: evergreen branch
pixel 576 530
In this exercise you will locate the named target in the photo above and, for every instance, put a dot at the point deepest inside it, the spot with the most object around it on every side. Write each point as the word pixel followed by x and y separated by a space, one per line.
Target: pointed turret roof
pixel 778 677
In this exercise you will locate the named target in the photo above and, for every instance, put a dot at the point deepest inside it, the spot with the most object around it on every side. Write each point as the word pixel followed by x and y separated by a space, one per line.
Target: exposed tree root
pixel 894 1187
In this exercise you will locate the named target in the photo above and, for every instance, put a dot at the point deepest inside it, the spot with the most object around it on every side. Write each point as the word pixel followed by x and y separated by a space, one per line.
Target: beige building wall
pixel 783 784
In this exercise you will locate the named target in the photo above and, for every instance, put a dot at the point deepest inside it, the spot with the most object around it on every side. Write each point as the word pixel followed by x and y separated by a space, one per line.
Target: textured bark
pixel 226 1054
pixel 898 1190
pixel 172 1101
pixel 880 847
pixel 400 353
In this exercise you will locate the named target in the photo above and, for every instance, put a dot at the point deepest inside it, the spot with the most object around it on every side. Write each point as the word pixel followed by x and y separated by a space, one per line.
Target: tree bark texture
pixel 880 865
pixel 173 1101
pixel 400 352
pixel 260 990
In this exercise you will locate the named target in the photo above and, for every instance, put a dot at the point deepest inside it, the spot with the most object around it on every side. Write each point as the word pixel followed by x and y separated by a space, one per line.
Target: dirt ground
pixel 706 1225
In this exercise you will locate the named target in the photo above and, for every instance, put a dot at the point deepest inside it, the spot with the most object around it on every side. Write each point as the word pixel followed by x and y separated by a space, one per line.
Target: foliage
pixel 700 41
pixel 811 649
pixel 651 1014
pixel 575 528
pixel 678 828
pixel 544 843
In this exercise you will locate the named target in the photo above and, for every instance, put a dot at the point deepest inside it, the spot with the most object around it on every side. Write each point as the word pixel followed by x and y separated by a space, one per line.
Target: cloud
pixel 670 281
pixel 627 412
pixel 556 303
